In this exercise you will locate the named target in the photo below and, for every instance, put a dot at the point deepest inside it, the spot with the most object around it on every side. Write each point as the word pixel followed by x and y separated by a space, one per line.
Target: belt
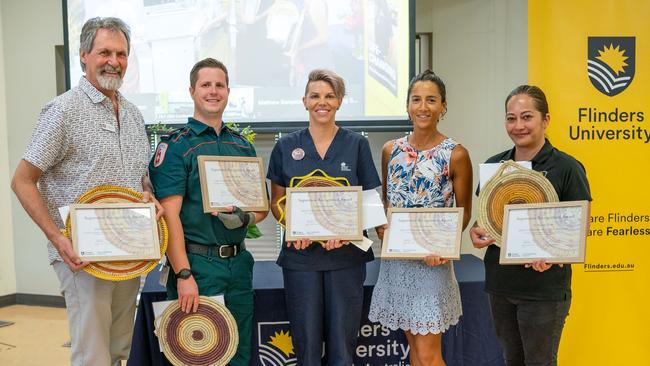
pixel 221 251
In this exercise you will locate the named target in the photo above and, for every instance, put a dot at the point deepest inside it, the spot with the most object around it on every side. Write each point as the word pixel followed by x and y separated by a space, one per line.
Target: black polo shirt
pixel 568 177
pixel 348 157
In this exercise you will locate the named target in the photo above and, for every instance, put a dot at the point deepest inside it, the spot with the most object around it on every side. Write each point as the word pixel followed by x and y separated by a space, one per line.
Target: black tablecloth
pixel 471 342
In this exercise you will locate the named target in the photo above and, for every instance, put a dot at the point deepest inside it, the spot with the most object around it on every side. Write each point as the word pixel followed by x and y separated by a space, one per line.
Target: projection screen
pixel 269 47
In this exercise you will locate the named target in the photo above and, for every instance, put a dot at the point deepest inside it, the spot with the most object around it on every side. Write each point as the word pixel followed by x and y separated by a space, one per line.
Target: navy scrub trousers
pixel 336 294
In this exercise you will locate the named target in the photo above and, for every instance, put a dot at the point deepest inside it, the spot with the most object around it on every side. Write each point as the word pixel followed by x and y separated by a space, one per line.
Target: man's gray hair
pixel 90 28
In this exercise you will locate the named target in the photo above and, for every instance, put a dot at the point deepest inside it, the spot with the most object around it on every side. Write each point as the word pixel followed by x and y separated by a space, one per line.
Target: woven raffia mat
pixel 119 270
pixel 511 184
pixel 317 178
pixel 208 337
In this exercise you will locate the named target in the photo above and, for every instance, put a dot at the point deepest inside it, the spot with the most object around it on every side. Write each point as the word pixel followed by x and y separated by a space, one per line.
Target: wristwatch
pixel 184 274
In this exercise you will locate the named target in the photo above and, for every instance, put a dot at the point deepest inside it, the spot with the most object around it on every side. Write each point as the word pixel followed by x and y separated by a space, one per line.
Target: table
pixel 472 342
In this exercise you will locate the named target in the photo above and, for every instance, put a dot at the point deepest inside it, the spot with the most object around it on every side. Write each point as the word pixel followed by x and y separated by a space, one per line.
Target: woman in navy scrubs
pixel 323 283
pixel 530 302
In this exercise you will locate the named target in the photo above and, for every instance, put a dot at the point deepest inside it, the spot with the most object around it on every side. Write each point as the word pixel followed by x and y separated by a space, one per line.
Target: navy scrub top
pixel 348 156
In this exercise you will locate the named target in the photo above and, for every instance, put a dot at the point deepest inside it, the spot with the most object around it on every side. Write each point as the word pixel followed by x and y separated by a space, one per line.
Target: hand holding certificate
pixel 232 181
pixel 555 232
pixel 415 233
pixel 323 213
pixel 115 231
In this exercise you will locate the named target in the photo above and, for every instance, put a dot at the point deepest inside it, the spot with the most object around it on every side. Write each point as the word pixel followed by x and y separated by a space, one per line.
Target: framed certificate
pixel 232 181
pixel 115 231
pixel 323 213
pixel 414 233
pixel 556 232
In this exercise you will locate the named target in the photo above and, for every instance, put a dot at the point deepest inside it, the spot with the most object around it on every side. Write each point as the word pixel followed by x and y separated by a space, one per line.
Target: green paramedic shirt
pixel 174 170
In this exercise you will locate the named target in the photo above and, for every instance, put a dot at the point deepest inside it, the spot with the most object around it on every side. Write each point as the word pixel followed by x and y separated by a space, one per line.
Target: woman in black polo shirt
pixel 530 302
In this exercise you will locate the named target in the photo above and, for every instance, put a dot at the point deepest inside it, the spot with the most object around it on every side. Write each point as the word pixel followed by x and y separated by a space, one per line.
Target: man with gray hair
pixel 86 137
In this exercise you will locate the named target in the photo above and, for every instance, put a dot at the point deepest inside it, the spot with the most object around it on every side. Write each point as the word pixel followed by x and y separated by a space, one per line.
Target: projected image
pixel 382 40
pixel 269 47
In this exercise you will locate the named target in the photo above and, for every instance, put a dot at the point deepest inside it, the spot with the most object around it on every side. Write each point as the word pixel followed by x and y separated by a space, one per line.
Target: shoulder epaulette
pixel 176 134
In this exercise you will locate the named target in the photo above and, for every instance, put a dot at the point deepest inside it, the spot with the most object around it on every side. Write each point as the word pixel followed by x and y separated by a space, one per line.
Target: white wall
pixel 30 30
pixel 7 267
pixel 480 51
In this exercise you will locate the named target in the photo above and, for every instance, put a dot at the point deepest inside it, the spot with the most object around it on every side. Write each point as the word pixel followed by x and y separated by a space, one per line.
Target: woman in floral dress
pixel 425 169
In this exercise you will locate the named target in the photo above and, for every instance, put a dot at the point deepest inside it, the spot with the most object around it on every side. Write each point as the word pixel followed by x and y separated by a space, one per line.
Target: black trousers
pixel 529 331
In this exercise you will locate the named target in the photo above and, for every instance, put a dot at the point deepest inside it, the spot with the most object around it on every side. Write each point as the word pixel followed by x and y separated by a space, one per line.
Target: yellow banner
pixel 592 58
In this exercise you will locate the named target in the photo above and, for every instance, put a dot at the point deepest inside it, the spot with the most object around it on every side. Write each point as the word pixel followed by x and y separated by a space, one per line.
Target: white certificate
pixel 115 231
pixel 232 181
pixel 555 232
pixel 415 233
pixel 323 213
pixel 373 210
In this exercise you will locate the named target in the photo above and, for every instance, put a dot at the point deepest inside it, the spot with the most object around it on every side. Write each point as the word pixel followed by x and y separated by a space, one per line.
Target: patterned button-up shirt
pixel 79 144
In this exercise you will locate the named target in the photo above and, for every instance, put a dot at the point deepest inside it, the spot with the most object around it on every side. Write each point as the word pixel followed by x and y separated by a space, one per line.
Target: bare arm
pixel 176 248
pixel 385 158
pixel 461 178
pixel 259 216
pixel 277 192
pixel 24 185
pixel 188 291
pixel 148 196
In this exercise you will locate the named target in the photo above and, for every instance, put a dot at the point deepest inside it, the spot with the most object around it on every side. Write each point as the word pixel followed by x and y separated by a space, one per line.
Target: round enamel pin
pixel 298 154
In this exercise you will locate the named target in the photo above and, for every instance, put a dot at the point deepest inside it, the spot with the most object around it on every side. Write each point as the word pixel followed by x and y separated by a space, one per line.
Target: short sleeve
pixel 49 142
pixel 576 186
pixel 366 171
pixel 274 173
pixel 167 171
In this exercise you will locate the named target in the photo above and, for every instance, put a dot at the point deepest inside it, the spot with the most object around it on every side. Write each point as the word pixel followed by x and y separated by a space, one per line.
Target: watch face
pixel 184 274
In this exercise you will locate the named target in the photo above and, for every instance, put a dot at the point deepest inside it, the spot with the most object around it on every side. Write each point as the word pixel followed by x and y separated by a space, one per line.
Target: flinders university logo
pixel 275 344
pixel 610 63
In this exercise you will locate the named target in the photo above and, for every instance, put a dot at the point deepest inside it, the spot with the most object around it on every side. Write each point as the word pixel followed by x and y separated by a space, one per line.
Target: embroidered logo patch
pixel 160 154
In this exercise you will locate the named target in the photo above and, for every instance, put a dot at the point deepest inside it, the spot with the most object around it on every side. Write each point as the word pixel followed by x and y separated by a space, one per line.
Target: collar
pixel 93 93
pixel 541 155
pixel 199 127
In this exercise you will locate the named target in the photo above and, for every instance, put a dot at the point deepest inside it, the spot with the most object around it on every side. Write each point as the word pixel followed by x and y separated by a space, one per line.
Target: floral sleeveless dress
pixel 410 295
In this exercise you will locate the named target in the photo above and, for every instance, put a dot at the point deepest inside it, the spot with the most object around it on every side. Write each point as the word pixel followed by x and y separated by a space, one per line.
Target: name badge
pixel 108 127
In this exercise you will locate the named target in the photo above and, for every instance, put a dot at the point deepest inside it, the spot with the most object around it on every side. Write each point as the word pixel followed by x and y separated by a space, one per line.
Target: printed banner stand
pixel 592 59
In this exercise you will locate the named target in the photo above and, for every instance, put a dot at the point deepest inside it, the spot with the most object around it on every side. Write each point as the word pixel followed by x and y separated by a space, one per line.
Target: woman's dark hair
pixel 538 96
pixel 428 75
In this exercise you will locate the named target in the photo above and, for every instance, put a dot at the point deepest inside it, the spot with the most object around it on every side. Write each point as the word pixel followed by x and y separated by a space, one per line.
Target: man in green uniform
pixel 206 252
